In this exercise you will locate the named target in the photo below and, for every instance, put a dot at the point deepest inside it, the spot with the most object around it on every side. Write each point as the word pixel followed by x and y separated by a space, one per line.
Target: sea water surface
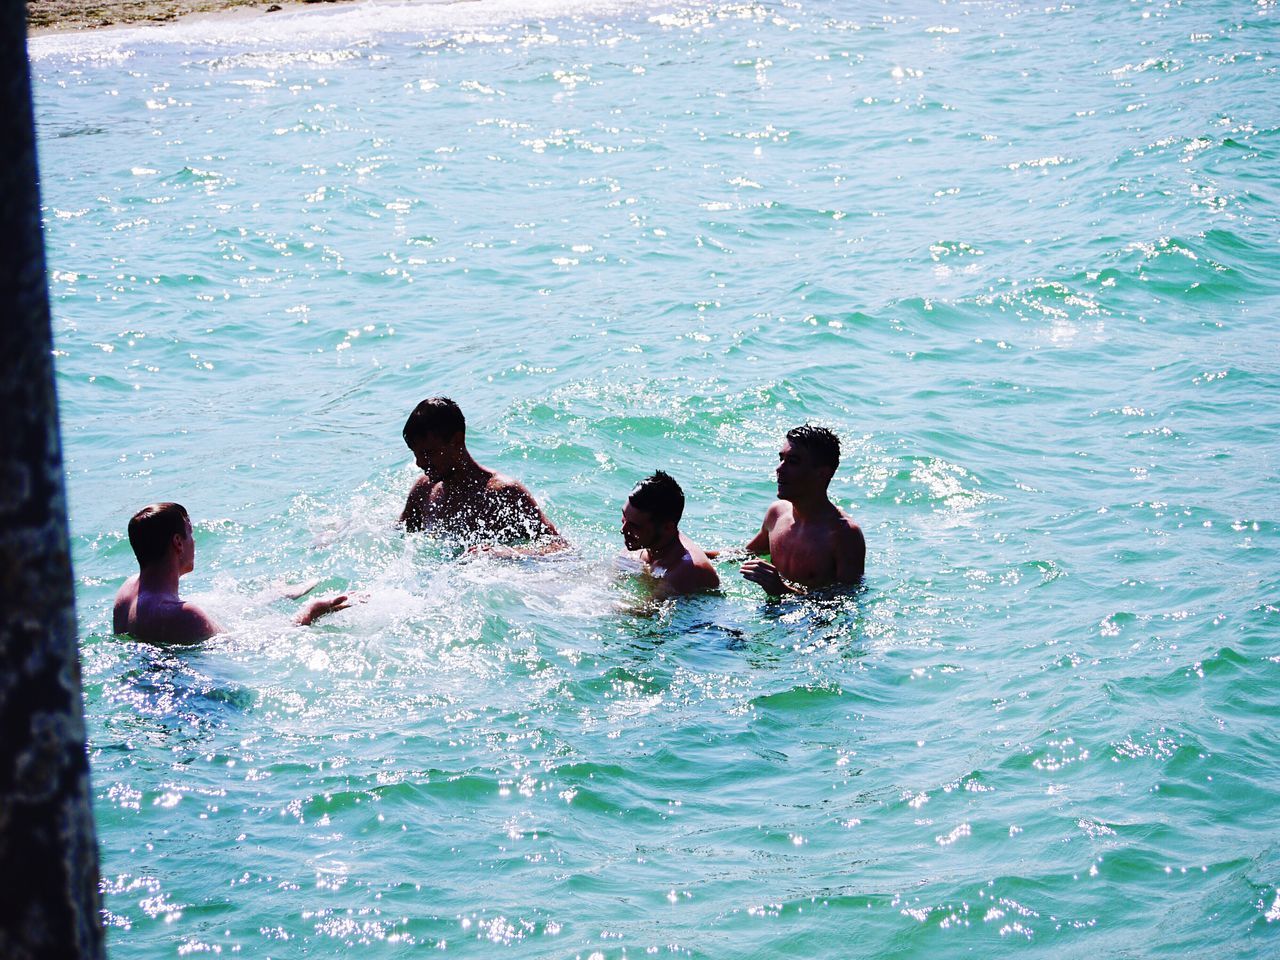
pixel 1024 258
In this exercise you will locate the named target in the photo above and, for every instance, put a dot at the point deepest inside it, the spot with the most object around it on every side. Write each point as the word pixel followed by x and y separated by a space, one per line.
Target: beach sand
pixel 47 16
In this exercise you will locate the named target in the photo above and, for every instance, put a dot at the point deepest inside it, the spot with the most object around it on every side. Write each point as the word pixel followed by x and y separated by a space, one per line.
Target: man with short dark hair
pixel 810 541
pixel 456 496
pixel 650 528
pixel 148 606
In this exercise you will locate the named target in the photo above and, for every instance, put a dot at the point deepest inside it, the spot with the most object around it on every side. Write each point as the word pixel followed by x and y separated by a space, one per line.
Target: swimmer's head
pixel 807 462
pixel 437 416
pixel 436 433
pixel 822 445
pixel 152 529
pixel 652 512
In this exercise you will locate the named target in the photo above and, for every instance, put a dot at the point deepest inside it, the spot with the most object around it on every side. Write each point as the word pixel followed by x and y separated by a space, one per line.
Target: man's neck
pixel 467 473
pixel 662 556
pixel 160 578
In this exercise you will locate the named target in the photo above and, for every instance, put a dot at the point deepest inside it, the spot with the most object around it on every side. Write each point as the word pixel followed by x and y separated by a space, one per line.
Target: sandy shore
pixel 48 16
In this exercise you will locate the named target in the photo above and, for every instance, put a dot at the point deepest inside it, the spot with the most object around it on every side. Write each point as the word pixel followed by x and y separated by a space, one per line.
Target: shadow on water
pixel 162 694
pixel 766 631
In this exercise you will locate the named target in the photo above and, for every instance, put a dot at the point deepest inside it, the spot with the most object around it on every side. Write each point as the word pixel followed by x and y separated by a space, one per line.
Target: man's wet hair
pixel 822 444
pixel 438 416
pixel 660 497
pixel 152 529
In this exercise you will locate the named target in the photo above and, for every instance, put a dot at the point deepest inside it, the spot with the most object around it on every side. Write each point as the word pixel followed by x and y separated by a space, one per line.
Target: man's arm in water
pixel 414 515
pixel 762 572
pixel 766 575
pixel 758 545
pixel 186 623
pixel 316 609
pixel 543 537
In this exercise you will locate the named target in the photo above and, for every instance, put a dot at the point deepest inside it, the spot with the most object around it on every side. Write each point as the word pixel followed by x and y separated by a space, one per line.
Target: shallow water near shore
pixel 1023 259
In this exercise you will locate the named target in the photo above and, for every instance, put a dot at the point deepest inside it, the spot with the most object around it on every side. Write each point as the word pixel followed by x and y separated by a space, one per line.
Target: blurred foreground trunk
pixel 48 851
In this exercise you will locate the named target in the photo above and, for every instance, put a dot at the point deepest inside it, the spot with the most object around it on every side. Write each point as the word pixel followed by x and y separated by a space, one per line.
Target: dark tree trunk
pixel 48 850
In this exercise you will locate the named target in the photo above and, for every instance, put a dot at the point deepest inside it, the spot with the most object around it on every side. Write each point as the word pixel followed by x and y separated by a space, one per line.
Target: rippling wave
pixel 1022 258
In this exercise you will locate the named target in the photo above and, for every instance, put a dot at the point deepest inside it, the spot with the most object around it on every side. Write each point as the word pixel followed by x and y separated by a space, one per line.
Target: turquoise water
pixel 1023 258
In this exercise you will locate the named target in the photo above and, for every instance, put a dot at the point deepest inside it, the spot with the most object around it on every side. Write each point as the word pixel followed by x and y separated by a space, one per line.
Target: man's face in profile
pixel 638 528
pixel 187 548
pixel 798 474
pixel 430 453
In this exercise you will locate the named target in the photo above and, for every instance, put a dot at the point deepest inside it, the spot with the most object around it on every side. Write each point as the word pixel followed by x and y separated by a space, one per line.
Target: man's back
pixel 493 506
pixel 159 618
pixel 688 572
pixel 457 496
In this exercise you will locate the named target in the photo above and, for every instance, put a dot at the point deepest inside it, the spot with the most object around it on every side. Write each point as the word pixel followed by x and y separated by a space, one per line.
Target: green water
pixel 1022 258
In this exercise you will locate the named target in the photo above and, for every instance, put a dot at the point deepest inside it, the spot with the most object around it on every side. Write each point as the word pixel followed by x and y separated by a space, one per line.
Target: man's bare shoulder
pixel 128 590
pixel 422 486
pixel 851 549
pixel 123 603
pixel 500 483
pixel 190 620
pixel 690 576
pixel 514 495
pixel 760 544
pixel 172 621
pixel 777 511
pixel 516 509
pixel 414 514
pixel 846 525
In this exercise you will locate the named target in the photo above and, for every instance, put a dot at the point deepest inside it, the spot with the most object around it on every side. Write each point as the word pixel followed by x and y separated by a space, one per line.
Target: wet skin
pixel 811 543
pixel 456 496
pixel 148 607
pixel 676 562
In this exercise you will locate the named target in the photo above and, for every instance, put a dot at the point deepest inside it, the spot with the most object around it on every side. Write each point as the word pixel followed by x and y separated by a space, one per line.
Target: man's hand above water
pixel 765 574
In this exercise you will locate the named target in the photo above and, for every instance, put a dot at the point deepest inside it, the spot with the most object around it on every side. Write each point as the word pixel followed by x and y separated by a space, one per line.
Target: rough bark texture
pixel 48 850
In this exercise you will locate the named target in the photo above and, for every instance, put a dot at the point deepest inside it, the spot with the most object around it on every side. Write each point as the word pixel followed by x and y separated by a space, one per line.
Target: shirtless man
pixel 458 497
pixel 650 529
pixel 810 540
pixel 148 606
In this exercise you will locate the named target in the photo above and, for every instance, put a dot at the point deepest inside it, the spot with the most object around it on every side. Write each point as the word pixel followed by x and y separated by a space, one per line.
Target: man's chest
pixel 804 556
